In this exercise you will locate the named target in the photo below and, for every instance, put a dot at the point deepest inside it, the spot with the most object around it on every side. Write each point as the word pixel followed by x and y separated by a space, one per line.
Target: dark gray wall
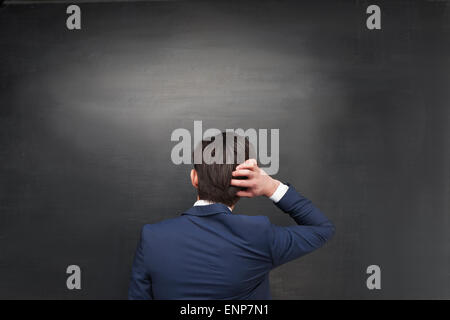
pixel 86 118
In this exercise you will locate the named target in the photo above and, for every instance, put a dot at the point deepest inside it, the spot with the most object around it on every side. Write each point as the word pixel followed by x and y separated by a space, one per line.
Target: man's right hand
pixel 258 182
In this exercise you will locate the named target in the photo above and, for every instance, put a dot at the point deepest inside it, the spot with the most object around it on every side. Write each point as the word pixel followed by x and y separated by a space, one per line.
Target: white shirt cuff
pixel 279 193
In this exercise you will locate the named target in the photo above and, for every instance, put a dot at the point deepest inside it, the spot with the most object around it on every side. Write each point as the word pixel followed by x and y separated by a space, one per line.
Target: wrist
pixel 272 186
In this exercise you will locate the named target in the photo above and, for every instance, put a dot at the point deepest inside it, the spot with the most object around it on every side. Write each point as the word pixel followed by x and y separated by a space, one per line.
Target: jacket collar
pixel 208 210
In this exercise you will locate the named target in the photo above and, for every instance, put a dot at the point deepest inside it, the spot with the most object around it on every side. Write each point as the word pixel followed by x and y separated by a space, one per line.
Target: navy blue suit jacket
pixel 210 253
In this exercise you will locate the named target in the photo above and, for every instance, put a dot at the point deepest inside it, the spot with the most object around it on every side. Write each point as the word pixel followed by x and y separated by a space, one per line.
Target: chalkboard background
pixel 86 118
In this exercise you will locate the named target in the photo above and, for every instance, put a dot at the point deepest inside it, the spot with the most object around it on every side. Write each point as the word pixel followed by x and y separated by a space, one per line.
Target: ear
pixel 194 178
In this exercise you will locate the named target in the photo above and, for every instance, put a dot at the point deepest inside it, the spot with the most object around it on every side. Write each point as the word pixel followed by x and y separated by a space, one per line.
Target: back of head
pixel 219 158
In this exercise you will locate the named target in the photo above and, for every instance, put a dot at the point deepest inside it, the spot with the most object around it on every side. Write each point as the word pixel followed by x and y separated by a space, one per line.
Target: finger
pixel 248 162
pixel 245 194
pixel 247 165
pixel 241 183
pixel 242 173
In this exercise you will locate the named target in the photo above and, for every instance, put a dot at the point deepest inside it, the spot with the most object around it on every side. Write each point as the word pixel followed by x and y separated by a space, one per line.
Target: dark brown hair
pixel 214 178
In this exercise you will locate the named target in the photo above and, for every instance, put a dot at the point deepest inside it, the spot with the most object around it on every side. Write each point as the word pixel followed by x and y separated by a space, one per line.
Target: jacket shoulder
pixel 161 225
pixel 256 220
pixel 256 227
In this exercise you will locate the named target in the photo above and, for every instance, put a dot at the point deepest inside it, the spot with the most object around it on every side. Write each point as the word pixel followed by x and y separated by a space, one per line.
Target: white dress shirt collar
pixel 206 203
